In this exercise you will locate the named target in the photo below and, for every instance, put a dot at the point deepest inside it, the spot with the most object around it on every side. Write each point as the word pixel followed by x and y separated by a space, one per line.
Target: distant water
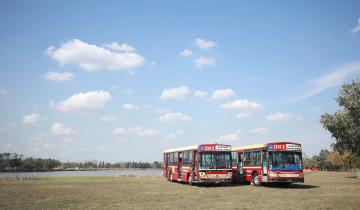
pixel 136 172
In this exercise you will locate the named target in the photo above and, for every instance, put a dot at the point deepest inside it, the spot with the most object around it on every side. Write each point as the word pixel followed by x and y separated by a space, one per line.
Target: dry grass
pixel 322 190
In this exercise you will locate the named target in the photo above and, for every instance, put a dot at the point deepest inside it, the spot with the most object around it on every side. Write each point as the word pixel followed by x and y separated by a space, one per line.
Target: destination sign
pixel 284 147
pixel 214 147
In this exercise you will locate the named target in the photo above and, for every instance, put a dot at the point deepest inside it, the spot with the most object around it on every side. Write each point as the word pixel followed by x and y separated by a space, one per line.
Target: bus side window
pixel 256 158
pixel 247 158
pixel 234 158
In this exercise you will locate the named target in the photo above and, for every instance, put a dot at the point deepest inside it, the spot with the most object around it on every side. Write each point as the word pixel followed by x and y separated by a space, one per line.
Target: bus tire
pixel 170 177
pixel 190 180
pixel 255 179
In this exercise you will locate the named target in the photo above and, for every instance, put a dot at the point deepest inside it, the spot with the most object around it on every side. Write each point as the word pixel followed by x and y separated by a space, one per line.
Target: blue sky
pixel 124 80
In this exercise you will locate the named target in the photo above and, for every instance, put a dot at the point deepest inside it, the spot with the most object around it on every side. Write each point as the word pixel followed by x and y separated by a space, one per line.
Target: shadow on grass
pixel 293 186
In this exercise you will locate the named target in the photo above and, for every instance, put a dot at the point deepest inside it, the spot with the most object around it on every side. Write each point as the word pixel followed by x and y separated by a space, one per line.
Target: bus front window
pixel 283 160
pixel 207 161
pixel 223 161
pixel 211 160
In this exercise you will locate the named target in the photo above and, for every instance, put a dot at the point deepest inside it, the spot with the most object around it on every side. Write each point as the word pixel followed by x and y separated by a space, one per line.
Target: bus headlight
pixel 301 174
pixel 202 175
pixel 273 174
pixel 229 175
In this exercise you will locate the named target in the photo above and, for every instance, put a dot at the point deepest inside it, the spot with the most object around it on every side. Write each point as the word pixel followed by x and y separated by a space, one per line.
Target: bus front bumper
pixel 287 180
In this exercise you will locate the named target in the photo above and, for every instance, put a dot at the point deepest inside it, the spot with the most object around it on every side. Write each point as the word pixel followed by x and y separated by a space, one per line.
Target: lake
pixel 119 172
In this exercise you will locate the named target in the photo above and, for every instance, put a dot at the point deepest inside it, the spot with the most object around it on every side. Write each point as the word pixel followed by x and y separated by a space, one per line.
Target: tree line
pixel 16 162
pixel 331 161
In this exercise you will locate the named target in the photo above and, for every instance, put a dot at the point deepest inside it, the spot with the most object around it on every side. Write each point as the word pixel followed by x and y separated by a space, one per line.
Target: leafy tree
pixel 344 124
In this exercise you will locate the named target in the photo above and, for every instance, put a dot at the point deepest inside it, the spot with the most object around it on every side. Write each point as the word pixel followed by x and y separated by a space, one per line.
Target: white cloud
pixel 175 134
pixel 31 119
pixel 356 29
pixel 201 62
pixel 109 118
pixel 243 115
pixel 261 131
pixel 282 117
pixel 60 130
pixel 329 80
pixel 152 64
pixel 230 137
pixel 119 132
pixel 143 132
pixel 200 94
pixel 174 117
pixel 93 58
pixel 138 131
pixel 3 92
pixel 59 77
pixel 83 101
pixel 204 44
pixel 120 47
pixel 242 104
pixel 186 53
pixel 175 93
pixel 130 107
pixel 222 94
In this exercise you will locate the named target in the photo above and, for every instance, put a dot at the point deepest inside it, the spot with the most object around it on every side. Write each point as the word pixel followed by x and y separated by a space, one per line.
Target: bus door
pixel 194 164
pixel 167 159
pixel 264 163
pixel 240 167
pixel 179 165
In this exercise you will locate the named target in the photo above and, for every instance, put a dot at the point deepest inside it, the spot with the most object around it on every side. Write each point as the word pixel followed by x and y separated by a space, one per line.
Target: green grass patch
pixel 321 190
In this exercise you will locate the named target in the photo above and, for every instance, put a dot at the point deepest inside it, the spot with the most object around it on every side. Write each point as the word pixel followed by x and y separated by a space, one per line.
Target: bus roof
pixel 253 146
pixel 192 147
pixel 256 146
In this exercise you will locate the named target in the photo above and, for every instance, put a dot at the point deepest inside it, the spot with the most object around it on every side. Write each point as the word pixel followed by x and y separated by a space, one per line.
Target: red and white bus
pixel 204 163
pixel 274 162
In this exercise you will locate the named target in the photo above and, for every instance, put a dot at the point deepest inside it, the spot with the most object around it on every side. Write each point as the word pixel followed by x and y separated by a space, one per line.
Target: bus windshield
pixel 284 160
pixel 218 160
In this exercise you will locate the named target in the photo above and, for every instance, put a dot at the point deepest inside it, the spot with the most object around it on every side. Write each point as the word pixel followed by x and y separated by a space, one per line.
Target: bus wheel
pixel 255 180
pixel 190 180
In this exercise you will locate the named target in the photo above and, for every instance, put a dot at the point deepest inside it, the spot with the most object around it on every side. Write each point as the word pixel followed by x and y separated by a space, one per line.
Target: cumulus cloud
pixel 119 132
pixel 204 44
pixel 31 119
pixel 59 77
pixel 202 62
pixel 175 93
pixel 243 115
pixel 120 47
pixel 222 94
pixel 200 94
pixel 59 129
pixel 242 104
pixel 356 29
pixel 109 118
pixel 83 101
pixel 174 117
pixel 229 137
pixel 329 80
pixel 175 134
pixel 186 53
pixel 138 131
pixel 94 58
pixel 282 117
pixel 3 92
pixel 130 107
pixel 261 131
pixel 143 132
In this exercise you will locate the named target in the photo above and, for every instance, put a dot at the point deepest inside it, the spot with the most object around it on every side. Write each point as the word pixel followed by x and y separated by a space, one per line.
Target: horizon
pixel 124 81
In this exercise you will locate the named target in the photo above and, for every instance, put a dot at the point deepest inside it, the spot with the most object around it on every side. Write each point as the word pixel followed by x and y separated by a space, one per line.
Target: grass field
pixel 321 190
